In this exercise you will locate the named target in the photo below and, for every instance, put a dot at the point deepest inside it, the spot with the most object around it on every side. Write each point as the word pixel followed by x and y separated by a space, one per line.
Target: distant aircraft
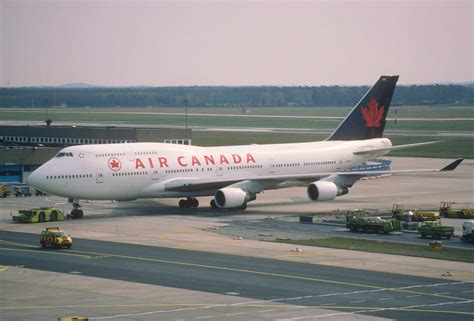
pixel 233 175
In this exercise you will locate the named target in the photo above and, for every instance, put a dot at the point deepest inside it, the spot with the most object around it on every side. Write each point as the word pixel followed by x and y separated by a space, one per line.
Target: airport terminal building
pixel 24 148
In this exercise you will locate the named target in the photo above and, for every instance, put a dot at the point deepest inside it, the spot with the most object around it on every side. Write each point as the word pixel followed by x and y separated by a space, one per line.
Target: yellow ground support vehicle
pixel 399 213
pixel 54 237
pixel 38 215
pixel 4 190
pixel 447 209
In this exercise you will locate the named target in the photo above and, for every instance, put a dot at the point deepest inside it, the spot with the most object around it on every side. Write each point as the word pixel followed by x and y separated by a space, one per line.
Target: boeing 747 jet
pixel 233 175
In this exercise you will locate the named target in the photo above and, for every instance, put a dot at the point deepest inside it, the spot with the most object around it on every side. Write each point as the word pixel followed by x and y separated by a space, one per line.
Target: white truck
pixel 467 231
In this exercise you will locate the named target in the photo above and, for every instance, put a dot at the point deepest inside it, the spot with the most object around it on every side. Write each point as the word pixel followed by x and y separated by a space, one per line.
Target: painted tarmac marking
pixel 47 252
pixel 88 255
pixel 17 244
pixel 140 305
pixel 412 308
pixel 383 299
pixel 469 291
pixel 358 301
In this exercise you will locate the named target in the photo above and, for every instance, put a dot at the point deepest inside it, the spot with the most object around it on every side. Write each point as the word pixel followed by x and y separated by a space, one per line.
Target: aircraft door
pixel 271 166
pixel 155 175
pixel 99 178
pixel 219 170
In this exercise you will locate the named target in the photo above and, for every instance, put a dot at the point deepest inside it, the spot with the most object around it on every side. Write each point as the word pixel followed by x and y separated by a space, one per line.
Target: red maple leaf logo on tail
pixel 372 114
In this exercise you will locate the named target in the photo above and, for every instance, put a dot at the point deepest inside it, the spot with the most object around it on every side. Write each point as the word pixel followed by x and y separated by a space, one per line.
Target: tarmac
pixel 29 291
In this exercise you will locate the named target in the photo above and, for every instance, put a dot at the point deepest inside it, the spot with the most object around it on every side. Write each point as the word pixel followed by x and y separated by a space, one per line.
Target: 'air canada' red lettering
pixel 237 159
pixel 139 164
pixel 209 160
pixel 250 158
pixel 181 161
pixel 223 160
pixel 196 160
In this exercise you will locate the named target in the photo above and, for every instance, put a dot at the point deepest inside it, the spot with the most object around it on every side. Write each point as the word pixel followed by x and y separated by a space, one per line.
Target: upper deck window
pixel 62 154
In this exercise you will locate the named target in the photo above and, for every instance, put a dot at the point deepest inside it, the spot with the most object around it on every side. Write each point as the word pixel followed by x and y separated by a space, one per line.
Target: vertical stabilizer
pixel 367 118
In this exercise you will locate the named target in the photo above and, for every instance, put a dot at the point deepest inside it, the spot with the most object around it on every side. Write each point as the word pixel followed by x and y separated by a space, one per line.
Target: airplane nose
pixel 34 179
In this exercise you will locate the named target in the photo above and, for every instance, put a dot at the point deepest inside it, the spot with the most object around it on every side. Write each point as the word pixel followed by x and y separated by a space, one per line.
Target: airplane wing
pixel 259 183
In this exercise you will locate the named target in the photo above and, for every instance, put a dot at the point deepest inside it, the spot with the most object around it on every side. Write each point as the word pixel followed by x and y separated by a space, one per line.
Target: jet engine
pixel 231 197
pixel 325 191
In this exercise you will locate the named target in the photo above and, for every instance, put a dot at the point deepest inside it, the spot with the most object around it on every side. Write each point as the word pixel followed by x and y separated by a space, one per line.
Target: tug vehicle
pixel 38 215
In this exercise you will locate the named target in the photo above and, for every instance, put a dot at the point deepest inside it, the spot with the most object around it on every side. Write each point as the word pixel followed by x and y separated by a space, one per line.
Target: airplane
pixel 233 175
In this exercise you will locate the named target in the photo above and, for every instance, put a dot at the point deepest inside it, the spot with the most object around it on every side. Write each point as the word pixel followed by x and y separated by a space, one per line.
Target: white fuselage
pixel 140 170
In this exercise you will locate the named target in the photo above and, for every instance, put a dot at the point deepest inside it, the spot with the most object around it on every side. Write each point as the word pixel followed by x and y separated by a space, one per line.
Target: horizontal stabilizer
pixel 388 149
pixel 452 166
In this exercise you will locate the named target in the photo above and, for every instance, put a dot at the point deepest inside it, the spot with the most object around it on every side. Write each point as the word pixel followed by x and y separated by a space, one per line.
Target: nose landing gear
pixel 76 212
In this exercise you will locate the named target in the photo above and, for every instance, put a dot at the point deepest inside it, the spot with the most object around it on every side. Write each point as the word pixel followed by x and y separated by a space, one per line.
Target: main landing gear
pixel 190 202
pixel 76 212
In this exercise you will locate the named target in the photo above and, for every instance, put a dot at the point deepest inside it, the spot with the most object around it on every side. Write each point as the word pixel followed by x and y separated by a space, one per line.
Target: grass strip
pixel 450 254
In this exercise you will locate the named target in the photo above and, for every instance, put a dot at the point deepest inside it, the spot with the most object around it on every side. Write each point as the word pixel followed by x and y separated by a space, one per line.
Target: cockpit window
pixel 62 154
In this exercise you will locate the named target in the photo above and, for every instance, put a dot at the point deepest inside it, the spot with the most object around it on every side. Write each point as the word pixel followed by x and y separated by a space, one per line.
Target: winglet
pixel 452 165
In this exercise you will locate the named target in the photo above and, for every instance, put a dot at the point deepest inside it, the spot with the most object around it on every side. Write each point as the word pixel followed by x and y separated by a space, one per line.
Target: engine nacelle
pixel 325 191
pixel 231 197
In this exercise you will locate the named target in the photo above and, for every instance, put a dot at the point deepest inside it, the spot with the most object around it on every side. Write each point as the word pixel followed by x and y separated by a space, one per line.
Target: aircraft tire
pixel 194 203
pixel 213 204
pixel 243 207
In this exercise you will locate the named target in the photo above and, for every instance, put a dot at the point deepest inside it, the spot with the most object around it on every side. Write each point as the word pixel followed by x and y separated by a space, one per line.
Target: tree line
pixel 201 96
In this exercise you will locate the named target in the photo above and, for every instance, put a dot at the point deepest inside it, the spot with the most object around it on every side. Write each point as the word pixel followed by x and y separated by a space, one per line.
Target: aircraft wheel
pixel 243 207
pixel 77 214
pixel 183 204
pixel 213 204
pixel 194 202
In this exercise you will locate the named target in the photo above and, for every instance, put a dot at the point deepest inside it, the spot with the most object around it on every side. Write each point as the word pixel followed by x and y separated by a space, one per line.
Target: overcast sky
pixel 164 43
